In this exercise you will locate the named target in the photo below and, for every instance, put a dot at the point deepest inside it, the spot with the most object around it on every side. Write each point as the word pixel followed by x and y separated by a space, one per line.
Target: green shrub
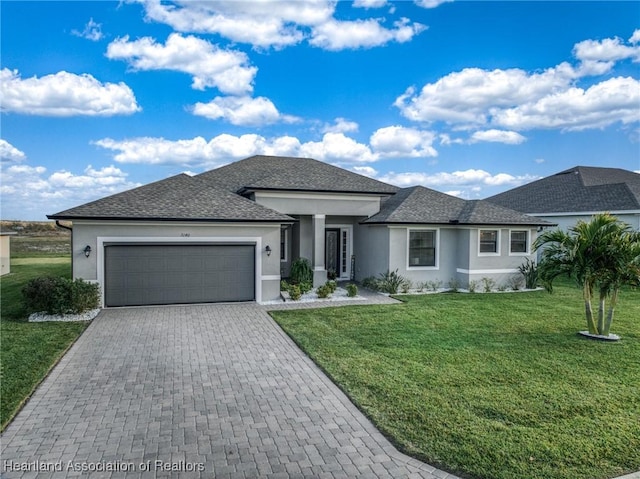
pixel 306 286
pixel 488 284
pixel 352 290
pixel 294 292
pixel 301 271
pixel 323 291
pixel 406 285
pixel 371 283
pixel 58 295
pixel 529 269
pixel 473 286
pixel 515 282
pixel 454 285
pixel 391 281
pixel 433 285
pixel 284 286
pixel 331 274
pixel 332 285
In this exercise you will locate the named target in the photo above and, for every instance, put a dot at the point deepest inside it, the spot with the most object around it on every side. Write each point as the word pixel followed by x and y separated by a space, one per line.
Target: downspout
pixel 60 225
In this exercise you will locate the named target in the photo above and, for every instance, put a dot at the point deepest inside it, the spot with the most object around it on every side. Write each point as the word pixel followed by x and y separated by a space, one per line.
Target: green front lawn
pixel 488 385
pixel 29 350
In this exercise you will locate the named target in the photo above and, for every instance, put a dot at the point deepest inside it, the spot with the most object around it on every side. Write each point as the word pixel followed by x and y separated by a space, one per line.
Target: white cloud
pixel 431 3
pixel 64 94
pixel 210 66
pixel 521 100
pixel 198 152
pixel 262 24
pixel 470 95
pixel 92 31
pixel 244 111
pixel 369 3
pixel 611 101
pixel 607 50
pixel 341 125
pixel 280 24
pixel 336 147
pixel 9 153
pixel 29 191
pixel 339 35
pixel 471 177
pixel 398 141
pixel 498 136
pixel 366 171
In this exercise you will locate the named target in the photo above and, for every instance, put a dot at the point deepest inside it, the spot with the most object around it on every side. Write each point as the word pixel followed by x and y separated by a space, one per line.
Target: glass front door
pixel 332 252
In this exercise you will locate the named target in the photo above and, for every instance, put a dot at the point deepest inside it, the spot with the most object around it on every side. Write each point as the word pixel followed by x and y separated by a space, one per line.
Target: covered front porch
pixel 326 241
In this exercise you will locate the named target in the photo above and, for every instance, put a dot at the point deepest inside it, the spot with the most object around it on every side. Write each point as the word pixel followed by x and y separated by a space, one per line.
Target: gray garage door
pixel 172 274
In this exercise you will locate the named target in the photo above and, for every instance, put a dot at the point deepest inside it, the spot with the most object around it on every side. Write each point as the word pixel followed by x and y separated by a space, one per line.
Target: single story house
pixel 5 251
pixel 577 194
pixel 231 234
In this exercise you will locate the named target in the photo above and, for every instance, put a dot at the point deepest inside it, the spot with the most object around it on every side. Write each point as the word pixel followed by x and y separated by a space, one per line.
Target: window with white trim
pixel 519 242
pixel 422 248
pixel 489 241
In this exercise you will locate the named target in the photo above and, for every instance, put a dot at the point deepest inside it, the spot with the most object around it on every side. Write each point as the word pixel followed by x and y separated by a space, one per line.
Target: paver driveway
pixel 206 390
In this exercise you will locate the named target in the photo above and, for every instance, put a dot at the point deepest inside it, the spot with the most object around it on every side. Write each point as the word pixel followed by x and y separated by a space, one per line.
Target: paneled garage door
pixel 172 274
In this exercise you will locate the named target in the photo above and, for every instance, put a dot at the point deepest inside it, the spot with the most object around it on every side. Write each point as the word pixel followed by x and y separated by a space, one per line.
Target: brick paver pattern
pixel 208 390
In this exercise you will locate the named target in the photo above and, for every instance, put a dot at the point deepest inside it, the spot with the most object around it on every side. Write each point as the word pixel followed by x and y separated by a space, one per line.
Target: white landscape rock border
pixel 340 294
pixel 43 317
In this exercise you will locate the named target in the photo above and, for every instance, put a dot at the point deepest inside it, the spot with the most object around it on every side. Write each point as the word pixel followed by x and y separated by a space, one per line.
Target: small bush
pixel 284 286
pixel 301 271
pixel 323 291
pixel 515 282
pixel 488 284
pixel 352 290
pixel 406 285
pixel 331 274
pixel 306 286
pixel 294 292
pixel 529 269
pixel 332 285
pixel 391 281
pixel 57 295
pixel 473 286
pixel 454 285
pixel 433 285
pixel 371 283
pixel 420 286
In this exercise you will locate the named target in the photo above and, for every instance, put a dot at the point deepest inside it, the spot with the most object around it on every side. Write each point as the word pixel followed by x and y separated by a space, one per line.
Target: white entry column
pixel 319 269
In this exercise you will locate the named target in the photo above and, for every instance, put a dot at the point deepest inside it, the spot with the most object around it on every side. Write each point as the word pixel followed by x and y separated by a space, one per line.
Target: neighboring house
pixel 577 194
pixel 231 234
pixel 5 251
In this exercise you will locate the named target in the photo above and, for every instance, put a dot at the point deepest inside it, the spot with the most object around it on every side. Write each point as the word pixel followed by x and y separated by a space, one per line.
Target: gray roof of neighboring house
pixel 178 198
pixel 420 205
pixel 578 189
pixel 292 174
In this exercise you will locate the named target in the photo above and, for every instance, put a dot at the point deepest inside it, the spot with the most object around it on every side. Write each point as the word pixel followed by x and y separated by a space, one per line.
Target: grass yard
pixel 488 385
pixel 29 350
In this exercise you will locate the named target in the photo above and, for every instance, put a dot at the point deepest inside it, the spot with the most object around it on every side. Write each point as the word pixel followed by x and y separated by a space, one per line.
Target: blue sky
pixel 471 98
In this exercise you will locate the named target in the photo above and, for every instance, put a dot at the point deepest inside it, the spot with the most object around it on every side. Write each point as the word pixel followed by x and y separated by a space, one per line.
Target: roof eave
pixel 252 189
pixel 288 219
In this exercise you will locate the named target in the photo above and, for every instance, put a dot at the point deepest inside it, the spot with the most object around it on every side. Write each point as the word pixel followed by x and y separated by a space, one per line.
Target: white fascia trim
pixel 201 224
pixel 487 271
pixel 257 240
pixel 318 196
pixel 587 213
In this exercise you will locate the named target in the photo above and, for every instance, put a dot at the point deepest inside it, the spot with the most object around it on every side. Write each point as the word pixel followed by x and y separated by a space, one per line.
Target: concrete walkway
pixel 194 391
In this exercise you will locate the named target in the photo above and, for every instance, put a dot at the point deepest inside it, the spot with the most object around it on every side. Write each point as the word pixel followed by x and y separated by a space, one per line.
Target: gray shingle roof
pixel 420 205
pixel 180 197
pixel 577 189
pixel 292 174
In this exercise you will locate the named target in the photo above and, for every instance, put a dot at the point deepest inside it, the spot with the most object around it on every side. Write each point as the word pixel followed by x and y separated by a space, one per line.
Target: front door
pixel 332 252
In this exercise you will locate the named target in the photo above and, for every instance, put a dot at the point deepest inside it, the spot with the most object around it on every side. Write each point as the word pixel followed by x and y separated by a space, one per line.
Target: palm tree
pixel 603 253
